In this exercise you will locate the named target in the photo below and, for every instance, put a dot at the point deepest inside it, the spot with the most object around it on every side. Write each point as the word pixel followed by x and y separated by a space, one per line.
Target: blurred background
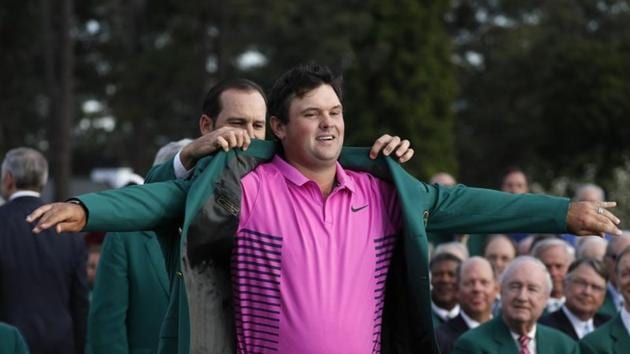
pixel 476 86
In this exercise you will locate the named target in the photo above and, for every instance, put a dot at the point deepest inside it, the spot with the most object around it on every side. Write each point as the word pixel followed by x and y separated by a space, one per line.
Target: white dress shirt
pixel 582 328
pixel 554 304
pixel 23 193
pixel 445 314
pixel 532 343
pixel 469 321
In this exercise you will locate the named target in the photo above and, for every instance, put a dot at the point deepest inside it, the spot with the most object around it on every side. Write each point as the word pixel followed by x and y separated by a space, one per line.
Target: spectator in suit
pixel 525 287
pixel 591 247
pixel 585 288
pixel 556 255
pixel 11 341
pixel 614 336
pixel 43 288
pixel 444 268
pixel 515 181
pixel 132 288
pixel 500 250
pixel 476 289
pixel 614 300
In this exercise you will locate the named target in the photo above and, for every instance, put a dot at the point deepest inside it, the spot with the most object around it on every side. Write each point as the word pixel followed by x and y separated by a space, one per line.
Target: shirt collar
pixel 471 323
pixel 444 313
pixel 625 318
pixel 531 334
pixel 578 324
pixel 296 177
pixel 19 194
pixel 616 295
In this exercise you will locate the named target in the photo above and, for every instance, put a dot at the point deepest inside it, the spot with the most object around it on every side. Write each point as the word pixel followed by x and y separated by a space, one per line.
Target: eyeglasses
pixel 583 284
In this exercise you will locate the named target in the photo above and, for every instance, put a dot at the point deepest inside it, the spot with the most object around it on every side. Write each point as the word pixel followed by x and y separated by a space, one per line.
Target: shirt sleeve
pixel 180 171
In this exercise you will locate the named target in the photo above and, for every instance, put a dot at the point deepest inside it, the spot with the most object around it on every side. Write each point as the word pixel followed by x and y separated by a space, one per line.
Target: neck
pixel 480 317
pixel 557 294
pixel 324 176
pixel 520 328
pixel 583 316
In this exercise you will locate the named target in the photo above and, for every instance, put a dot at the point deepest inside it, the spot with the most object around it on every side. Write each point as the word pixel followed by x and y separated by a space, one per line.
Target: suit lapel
pixel 565 323
pixel 503 338
pixel 619 334
pixel 157 262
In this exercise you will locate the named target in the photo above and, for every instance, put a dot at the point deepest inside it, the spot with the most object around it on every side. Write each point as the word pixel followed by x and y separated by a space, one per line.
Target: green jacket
pixel 211 201
pixel 130 295
pixel 608 308
pixel 493 337
pixel 11 341
pixel 610 338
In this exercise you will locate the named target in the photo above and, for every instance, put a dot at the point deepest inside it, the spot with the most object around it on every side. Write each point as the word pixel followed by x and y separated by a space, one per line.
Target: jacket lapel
pixel 620 336
pixel 503 338
pixel 157 262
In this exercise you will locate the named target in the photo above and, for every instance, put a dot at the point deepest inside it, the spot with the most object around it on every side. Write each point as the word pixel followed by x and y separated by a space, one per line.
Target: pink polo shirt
pixel 309 272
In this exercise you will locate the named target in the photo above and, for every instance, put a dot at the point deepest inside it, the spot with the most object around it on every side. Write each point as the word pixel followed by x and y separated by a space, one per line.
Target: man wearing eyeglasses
pixel 614 301
pixel 585 289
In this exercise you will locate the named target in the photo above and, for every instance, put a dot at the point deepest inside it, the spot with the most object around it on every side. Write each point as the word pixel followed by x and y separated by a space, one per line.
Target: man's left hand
pixel 388 144
pixel 592 218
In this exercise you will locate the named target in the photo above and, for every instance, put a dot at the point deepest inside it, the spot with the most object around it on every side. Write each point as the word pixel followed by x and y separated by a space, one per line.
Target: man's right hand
pixel 65 217
pixel 225 138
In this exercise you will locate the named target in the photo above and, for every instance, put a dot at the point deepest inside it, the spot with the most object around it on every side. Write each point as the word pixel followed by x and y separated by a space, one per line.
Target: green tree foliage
pixel 402 82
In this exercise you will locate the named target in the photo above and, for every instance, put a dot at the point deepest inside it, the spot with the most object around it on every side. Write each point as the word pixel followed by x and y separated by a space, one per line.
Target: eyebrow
pixel 339 106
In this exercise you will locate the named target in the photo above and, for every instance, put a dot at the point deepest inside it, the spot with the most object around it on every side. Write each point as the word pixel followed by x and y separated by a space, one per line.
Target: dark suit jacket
pixel 611 338
pixel 493 337
pixel 448 332
pixel 561 322
pixel 130 295
pixel 43 287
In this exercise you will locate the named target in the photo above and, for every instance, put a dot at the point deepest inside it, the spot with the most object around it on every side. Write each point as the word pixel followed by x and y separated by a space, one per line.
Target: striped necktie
pixel 523 341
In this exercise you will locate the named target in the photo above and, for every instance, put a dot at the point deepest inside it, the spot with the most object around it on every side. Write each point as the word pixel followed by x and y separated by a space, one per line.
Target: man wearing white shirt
pixel 614 336
pixel 585 288
pixel 476 289
pixel 525 287
pixel 556 255
pixel 444 268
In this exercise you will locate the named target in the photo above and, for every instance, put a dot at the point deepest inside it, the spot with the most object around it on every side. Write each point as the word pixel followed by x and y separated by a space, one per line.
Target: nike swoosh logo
pixel 354 210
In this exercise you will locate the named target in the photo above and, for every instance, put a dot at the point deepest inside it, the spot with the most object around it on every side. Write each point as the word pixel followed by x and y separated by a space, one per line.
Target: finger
pixel 38 213
pixel 66 226
pixel 378 145
pixel 607 204
pixel 611 216
pixel 605 225
pixel 49 219
pixel 222 144
pixel 402 148
pixel 407 156
pixel 231 139
pixel 246 141
pixel 239 138
pixel 393 143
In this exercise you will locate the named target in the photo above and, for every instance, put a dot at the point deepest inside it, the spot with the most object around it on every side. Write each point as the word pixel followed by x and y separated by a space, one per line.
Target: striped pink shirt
pixel 309 273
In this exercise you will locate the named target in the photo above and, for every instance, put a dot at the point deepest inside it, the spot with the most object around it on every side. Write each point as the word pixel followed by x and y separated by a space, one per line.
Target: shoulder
pixel 550 319
pixel 554 337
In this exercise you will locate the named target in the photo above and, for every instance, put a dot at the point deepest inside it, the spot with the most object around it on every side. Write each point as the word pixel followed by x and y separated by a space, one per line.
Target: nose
pixel 326 120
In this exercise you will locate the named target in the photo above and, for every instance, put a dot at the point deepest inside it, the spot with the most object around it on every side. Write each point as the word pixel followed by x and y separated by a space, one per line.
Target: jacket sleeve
pixel 462 209
pixel 161 173
pixel 136 208
pixel 107 325
pixel 79 302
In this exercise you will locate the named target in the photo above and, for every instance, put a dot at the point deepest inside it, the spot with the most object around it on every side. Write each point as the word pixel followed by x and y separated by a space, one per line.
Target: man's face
pixel 477 289
pixel 240 109
pixel 314 134
pixel 585 291
pixel 557 262
pixel 515 182
pixel 499 252
pixel 444 282
pixel 618 245
pixel 524 294
pixel 623 279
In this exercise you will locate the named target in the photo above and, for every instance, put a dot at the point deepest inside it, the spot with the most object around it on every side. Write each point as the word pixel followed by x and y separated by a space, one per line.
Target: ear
pixel 277 127
pixel 206 124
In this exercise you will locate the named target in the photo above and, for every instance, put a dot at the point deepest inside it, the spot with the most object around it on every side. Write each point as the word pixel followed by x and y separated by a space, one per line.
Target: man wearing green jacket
pixel 613 337
pixel 308 122
pixel 11 341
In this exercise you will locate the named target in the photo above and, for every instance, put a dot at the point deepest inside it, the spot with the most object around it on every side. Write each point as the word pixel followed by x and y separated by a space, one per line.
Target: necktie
pixel 523 341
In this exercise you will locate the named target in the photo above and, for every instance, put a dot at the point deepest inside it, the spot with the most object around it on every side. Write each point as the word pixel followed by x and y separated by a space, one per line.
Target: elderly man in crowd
pixel 614 299
pixel 556 255
pixel 476 289
pixel 591 247
pixel 525 287
pixel 444 268
pixel 500 250
pixel 585 288
pixel 614 336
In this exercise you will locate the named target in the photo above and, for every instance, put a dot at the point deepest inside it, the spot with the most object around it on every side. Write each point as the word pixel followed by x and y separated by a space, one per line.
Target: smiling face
pixel 313 136
pixel 524 294
pixel 585 291
pixel 477 288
